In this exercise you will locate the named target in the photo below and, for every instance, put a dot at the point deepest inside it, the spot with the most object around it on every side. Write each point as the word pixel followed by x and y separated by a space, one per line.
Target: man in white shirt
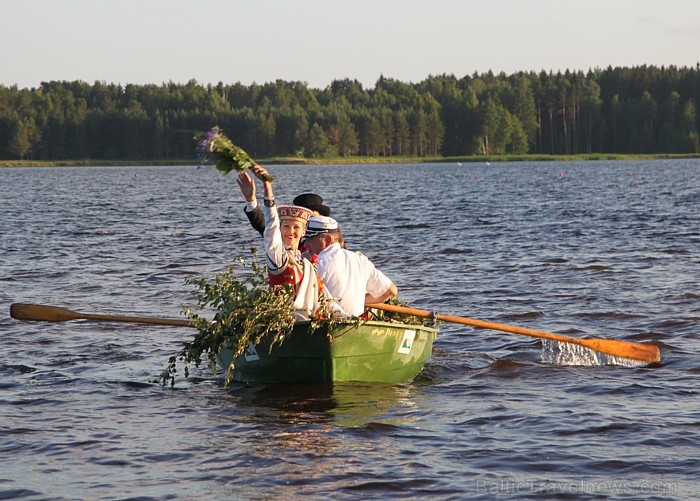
pixel 351 278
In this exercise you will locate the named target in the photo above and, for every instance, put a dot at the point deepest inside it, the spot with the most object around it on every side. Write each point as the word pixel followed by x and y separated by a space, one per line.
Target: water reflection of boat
pixel 370 351
pixel 331 403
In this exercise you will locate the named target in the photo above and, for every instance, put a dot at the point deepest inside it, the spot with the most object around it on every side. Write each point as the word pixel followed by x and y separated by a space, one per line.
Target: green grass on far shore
pixel 353 160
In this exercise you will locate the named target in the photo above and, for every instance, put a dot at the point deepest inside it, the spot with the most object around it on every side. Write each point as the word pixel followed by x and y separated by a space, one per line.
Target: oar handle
pixel 614 347
pixel 24 311
pixel 140 320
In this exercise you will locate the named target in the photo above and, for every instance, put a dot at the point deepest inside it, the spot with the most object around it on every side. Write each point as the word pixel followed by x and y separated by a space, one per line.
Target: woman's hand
pixel 262 174
pixel 259 172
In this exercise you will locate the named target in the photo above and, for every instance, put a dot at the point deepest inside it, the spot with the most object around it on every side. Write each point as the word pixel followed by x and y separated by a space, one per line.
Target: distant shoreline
pixel 354 160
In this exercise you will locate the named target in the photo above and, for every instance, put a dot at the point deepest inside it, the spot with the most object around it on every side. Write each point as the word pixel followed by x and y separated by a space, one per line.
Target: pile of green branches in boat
pixel 246 310
pixel 402 318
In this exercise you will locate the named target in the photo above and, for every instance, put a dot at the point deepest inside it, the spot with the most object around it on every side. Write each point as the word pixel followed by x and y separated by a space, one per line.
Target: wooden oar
pixel 21 311
pixel 634 351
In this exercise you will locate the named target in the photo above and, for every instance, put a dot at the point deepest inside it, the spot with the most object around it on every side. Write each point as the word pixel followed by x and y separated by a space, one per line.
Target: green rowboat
pixel 372 351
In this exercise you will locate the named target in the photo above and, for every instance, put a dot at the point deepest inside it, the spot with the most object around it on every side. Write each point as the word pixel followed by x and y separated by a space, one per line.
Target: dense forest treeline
pixel 642 109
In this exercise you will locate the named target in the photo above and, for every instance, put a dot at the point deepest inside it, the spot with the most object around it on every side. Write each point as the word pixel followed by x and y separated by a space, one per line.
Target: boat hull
pixel 371 351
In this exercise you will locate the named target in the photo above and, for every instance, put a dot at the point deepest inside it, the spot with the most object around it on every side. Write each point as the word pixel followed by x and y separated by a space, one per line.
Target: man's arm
pixel 255 215
pixel 256 218
pixel 391 292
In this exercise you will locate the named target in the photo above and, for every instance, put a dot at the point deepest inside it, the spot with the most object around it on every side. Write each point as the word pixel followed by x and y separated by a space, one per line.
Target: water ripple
pixel 607 250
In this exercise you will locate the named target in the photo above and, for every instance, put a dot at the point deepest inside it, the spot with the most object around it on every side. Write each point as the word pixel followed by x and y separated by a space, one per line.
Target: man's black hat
pixel 313 202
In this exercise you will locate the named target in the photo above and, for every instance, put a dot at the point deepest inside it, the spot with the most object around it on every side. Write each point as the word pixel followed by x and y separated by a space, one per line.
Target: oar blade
pixel 634 351
pixel 41 313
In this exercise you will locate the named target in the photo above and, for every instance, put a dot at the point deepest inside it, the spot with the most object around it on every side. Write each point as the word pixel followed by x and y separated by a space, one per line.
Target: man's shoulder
pixel 332 250
pixel 335 253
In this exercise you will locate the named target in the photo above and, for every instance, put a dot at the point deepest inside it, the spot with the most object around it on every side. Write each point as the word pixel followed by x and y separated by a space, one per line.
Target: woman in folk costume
pixel 285 225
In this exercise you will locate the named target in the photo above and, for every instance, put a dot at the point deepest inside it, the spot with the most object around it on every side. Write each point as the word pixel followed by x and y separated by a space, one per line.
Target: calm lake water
pixel 603 249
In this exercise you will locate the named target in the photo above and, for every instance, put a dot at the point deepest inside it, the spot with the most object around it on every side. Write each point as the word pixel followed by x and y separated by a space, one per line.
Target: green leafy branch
pixel 214 146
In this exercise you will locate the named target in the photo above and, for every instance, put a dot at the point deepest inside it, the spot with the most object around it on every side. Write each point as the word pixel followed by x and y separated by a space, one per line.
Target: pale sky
pixel 318 41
